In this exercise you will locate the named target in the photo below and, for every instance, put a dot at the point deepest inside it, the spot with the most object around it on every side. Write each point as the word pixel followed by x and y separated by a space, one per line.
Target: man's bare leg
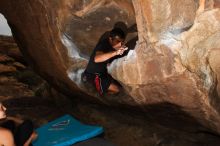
pixel 201 7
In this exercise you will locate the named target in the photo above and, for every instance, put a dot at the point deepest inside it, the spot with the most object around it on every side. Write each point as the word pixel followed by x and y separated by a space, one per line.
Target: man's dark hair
pixel 117 32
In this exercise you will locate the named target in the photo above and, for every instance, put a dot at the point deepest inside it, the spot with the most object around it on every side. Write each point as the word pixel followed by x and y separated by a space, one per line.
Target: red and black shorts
pixel 100 81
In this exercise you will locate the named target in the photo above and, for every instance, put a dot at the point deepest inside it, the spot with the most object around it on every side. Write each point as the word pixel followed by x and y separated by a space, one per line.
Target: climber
pixel 104 53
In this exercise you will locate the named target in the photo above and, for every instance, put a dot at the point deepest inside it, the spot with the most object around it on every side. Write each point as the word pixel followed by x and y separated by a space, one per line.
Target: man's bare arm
pixel 101 57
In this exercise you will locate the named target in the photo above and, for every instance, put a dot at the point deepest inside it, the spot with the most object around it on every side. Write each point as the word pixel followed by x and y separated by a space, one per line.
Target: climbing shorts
pixel 100 81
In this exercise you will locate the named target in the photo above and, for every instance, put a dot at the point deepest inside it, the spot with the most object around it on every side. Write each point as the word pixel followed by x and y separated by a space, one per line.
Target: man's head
pixel 117 37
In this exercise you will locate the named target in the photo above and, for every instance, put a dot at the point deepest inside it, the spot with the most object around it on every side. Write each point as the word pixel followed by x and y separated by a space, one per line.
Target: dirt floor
pixel 28 96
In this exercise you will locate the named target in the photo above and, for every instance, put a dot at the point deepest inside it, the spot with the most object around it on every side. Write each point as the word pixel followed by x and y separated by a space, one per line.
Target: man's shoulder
pixel 103 42
pixel 103 45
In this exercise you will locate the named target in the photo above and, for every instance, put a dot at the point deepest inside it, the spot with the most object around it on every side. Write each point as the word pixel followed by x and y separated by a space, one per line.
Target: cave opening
pixel 4 27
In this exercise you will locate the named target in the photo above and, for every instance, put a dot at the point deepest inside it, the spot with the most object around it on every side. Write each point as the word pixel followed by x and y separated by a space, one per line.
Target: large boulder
pixel 175 65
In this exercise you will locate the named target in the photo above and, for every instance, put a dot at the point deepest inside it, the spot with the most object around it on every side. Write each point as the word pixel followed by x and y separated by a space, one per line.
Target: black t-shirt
pixel 101 67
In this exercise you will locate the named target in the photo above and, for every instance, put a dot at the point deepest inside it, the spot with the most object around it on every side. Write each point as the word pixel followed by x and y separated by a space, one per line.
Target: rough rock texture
pixel 50 30
pixel 176 66
pixel 174 60
pixel 91 19
pixel 26 95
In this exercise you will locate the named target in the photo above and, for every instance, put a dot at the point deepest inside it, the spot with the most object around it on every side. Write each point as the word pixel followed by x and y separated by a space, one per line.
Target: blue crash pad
pixel 65 131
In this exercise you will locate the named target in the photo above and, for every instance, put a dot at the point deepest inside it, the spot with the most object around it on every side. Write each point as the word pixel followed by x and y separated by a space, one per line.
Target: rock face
pixel 175 59
pixel 25 94
pixel 174 65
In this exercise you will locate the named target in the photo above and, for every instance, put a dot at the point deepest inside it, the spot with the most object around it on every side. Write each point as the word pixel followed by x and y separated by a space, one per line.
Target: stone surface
pixel 177 69
pixel 10 48
pixel 162 16
pixel 174 60
pixel 164 124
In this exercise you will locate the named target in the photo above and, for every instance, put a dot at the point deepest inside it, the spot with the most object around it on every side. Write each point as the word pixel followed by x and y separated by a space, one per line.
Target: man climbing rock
pixel 105 52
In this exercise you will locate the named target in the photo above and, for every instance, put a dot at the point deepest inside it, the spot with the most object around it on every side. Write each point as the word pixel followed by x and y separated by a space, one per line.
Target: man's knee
pixel 114 89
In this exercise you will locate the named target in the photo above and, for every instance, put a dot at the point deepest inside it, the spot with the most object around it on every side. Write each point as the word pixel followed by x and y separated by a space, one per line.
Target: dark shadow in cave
pixel 169 122
pixel 173 117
